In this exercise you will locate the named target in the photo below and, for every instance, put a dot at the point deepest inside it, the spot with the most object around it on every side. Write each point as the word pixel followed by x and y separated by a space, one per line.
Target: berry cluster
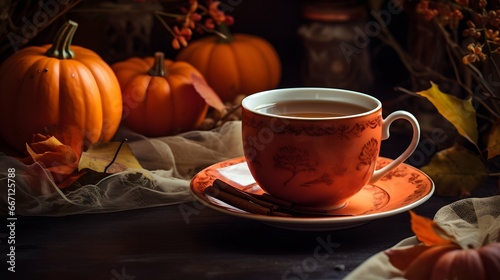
pixel 482 22
pixel 195 16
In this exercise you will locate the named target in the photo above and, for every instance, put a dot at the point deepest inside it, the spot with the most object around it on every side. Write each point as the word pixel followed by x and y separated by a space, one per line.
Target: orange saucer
pixel 401 190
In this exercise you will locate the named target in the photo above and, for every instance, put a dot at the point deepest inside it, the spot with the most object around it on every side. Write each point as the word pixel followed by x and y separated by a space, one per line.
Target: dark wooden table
pixel 164 243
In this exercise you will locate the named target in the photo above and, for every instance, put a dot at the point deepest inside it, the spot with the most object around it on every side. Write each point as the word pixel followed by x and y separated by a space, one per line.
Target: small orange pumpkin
pixel 450 261
pixel 159 98
pixel 240 64
pixel 58 84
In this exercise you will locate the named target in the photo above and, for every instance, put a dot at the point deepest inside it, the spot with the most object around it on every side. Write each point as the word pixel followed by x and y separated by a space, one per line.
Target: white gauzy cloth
pixel 169 164
pixel 471 220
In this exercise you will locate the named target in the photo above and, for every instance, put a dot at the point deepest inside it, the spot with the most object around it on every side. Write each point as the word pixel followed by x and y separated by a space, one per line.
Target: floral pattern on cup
pixel 368 155
pixel 296 160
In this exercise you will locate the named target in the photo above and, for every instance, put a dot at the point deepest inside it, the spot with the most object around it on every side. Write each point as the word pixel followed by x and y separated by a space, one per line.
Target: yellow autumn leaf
pixel 494 141
pixel 460 113
pixel 456 171
pixel 99 156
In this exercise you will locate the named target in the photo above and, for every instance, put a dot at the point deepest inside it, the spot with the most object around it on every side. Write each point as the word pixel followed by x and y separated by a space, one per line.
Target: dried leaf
pixel 456 171
pixel 204 90
pixel 494 141
pixel 59 150
pixel 99 156
pixel 428 232
pixel 458 112
pixel 43 143
pixel 60 159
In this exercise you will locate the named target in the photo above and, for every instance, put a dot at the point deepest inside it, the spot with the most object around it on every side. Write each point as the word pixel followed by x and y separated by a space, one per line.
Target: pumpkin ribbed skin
pixel 38 90
pixel 241 66
pixel 452 262
pixel 159 98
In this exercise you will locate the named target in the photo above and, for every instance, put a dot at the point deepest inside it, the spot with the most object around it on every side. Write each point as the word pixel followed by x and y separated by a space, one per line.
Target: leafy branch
pixel 473 70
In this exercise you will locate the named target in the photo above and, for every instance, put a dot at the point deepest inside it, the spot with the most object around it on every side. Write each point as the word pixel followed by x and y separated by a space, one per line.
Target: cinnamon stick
pixel 241 203
pixel 242 194
pixel 271 199
pixel 269 205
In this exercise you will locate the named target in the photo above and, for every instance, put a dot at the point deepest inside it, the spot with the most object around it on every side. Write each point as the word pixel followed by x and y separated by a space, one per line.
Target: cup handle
pixel 385 135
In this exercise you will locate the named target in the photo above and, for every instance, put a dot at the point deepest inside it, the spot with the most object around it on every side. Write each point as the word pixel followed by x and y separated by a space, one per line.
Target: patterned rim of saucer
pixel 402 189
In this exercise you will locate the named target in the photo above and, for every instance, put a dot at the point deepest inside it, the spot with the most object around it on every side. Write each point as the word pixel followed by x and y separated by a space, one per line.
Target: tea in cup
pixel 317 147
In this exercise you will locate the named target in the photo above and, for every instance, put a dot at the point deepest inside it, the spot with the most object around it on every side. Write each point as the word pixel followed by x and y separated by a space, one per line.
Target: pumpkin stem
pixel 61 47
pixel 158 68
pixel 224 30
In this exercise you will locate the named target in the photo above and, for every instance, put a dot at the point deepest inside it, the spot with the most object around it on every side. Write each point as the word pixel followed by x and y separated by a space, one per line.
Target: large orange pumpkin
pixel 240 64
pixel 58 84
pixel 159 98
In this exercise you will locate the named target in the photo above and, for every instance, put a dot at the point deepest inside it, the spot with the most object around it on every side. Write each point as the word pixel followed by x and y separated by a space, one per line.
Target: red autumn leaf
pixel 57 157
pixel 59 150
pixel 428 232
pixel 206 92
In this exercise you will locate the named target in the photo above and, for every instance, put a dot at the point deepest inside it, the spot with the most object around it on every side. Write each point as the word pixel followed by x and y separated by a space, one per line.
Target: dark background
pixel 277 21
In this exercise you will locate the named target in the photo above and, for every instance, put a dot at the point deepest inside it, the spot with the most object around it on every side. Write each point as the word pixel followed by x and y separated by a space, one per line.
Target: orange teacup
pixel 317 147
